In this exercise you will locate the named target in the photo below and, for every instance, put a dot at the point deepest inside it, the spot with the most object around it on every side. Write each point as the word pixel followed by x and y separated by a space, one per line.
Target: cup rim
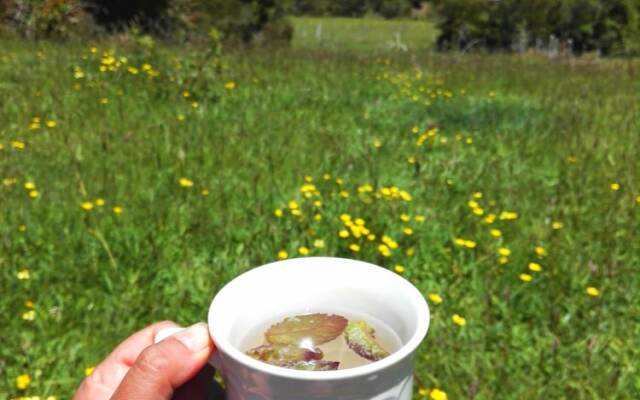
pixel 422 315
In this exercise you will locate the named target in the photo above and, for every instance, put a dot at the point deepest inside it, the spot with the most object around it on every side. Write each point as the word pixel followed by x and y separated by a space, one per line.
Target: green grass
pixel 541 138
pixel 362 34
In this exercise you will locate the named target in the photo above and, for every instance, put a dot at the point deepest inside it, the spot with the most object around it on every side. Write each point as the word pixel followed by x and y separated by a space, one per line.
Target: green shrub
pixel 36 19
pixel 610 26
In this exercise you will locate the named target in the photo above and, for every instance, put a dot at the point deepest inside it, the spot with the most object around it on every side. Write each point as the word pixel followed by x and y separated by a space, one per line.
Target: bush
pixel 36 19
pixel 610 26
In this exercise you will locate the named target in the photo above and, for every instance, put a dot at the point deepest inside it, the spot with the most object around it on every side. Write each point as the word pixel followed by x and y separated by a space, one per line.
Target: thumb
pixel 165 366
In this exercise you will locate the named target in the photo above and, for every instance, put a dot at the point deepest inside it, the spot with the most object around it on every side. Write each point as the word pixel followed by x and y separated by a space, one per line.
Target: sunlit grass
pixel 506 188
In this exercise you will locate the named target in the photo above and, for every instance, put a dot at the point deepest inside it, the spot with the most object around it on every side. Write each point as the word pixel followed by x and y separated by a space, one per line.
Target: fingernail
pixel 166 332
pixel 195 338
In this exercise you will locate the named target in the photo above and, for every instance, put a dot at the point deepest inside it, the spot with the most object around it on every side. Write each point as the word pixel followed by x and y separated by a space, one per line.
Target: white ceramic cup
pixel 316 284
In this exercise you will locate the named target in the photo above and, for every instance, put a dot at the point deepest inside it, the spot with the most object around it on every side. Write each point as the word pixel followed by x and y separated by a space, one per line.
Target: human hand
pixel 141 370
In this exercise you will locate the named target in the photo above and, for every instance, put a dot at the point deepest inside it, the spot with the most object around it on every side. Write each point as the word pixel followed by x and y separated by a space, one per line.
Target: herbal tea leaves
pixel 292 343
pixel 314 328
pixel 321 365
pixel 361 338
pixel 284 354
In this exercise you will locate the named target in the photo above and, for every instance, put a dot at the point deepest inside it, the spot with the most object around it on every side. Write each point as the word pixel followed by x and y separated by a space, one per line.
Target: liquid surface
pixel 352 347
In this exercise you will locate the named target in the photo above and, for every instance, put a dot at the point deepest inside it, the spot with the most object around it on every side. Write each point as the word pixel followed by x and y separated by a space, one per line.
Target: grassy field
pixel 362 34
pixel 506 188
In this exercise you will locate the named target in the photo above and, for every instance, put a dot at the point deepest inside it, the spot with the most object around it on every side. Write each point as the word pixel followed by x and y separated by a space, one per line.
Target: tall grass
pixel 198 185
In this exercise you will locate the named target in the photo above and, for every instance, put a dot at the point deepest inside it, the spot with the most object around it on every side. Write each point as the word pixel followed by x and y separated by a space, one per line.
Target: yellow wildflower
pixel 29 303
pixel 377 143
pixel 100 202
pixel 503 251
pixel 23 381
pixel 180 117
pixel 435 298
pixel 458 320
pixel 230 85
pixel 22 227
pixel 478 211
pixel 34 194
pixel 51 124
pixel 404 195
pixel 615 186
pixel 344 194
pixel 29 315
pixel 282 254
pixel 29 186
pixel 303 251
pixel 423 392
pixel 490 218
pixel 384 250
pixel 535 267
pixel 343 233
pixel 293 205
pixel 118 210
pixel 473 204
pixel 411 160
pixel 399 268
pixel 470 244
pixel 18 145
pixel 185 182
pixel 371 237
pixel 317 217
pixel 477 195
pixel 414 130
pixel 557 225
pixel 186 94
pixel 326 177
pixel 525 277
pixel 405 218
pixel 278 212
pixel 495 233
pixel 407 231
pixel 437 394
pixel 540 251
pixel 104 100
pixel 319 244
pixel 354 247
pixel 24 274
pixel 508 215
pixel 593 292
pixel 88 371
pixel 317 203
pixel 419 218
pixel 195 104
pixel 296 212
pixel 339 181
pixel 204 192
pixel 87 206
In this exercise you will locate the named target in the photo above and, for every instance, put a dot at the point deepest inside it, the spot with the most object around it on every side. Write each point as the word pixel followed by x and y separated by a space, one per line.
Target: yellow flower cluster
pixel 469 244
pixel 393 193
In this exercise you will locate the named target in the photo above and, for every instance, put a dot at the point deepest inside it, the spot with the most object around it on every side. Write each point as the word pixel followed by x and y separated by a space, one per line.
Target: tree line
pixel 607 26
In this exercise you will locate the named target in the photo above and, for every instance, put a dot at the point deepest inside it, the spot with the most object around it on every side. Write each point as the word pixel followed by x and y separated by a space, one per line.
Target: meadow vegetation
pixel 137 181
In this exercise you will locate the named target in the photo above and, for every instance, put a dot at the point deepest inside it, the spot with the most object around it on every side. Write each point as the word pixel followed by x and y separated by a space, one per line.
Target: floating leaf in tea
pixel 314 328
pixel 361 338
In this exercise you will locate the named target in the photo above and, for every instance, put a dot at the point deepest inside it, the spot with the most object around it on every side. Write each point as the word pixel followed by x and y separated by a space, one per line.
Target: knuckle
pixel 153 360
